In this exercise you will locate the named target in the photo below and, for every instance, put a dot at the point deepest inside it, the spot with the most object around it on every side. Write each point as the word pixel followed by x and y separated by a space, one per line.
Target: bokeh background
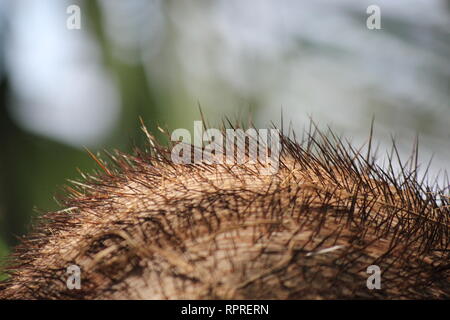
pixel 62 90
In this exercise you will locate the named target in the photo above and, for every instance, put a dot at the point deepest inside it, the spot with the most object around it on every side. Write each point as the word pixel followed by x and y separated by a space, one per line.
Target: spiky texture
pixel 146 228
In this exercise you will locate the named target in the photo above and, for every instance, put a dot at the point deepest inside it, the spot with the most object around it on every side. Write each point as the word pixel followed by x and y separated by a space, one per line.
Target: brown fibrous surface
pixel 145 228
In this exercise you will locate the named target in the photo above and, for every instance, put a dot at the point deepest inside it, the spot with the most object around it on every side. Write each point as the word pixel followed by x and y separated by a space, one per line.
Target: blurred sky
pixel 61 88
pixel 310 57
pixel 306 57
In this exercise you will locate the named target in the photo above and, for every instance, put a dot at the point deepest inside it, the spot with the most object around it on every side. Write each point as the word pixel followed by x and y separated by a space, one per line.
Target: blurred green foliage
pixel 3 253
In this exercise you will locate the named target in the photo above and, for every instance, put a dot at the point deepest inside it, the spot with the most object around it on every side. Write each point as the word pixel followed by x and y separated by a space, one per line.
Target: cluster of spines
pixel 422 211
